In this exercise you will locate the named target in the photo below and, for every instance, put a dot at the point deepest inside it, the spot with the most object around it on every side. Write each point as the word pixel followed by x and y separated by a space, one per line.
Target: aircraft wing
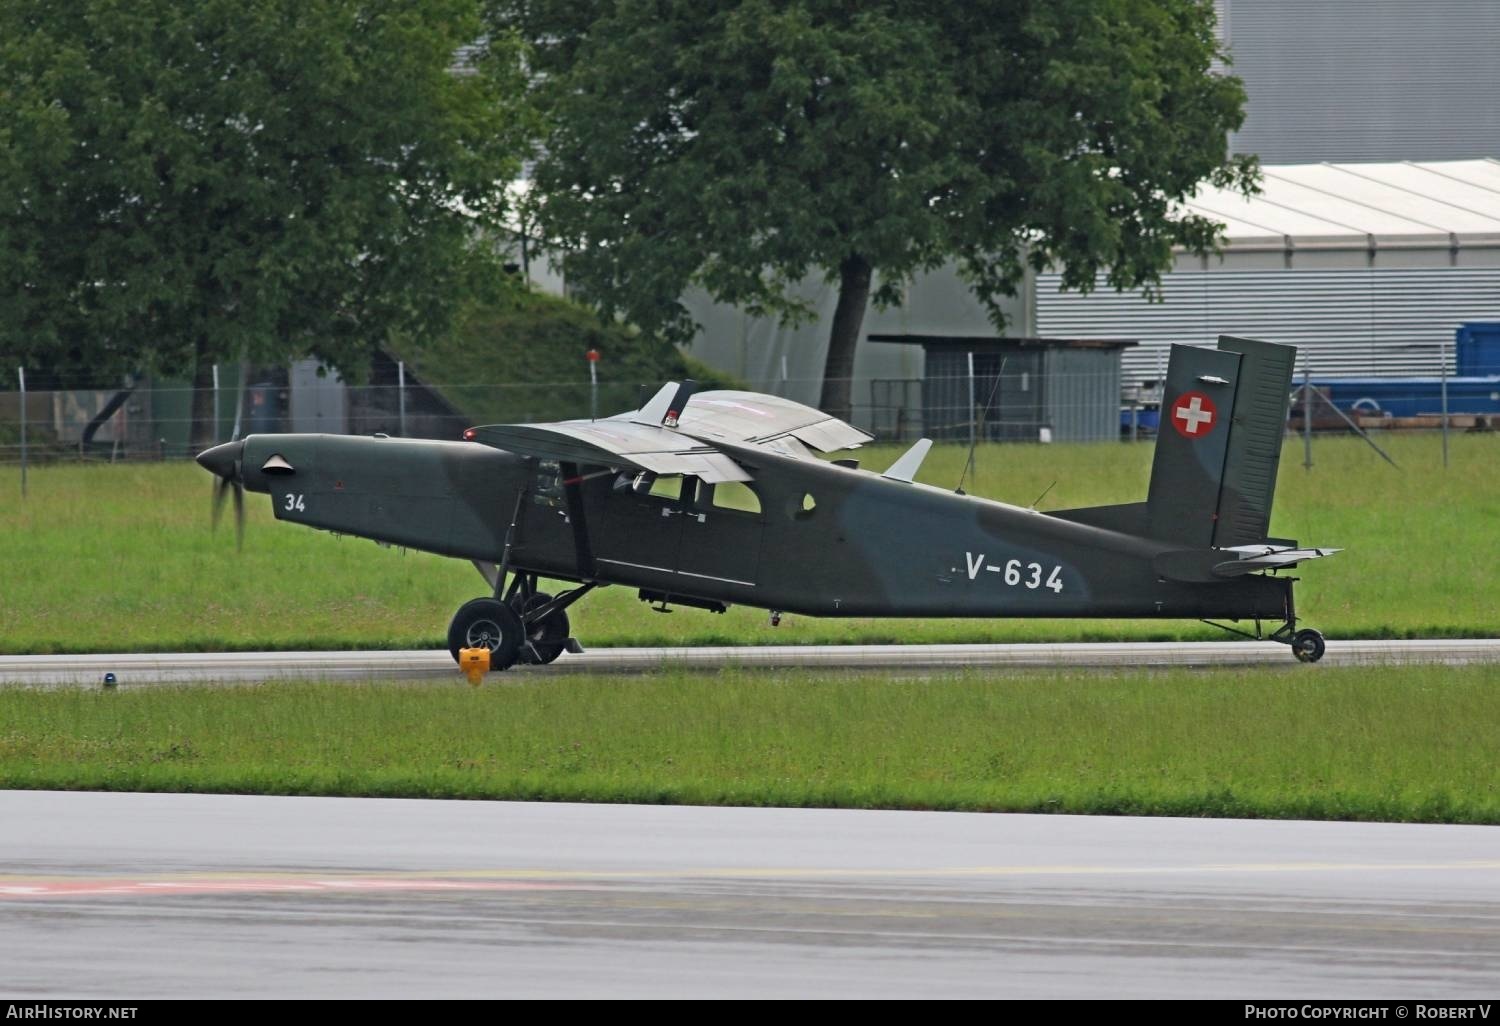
pixel 640 438
pixel 750 417
pixel 1253 558
pixel 615 443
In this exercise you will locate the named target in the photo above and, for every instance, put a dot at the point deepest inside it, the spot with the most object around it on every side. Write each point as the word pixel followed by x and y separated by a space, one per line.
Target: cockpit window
pixel 548 490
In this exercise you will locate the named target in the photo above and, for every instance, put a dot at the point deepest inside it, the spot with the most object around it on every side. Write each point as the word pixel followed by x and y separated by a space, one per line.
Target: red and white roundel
pixel 1194 415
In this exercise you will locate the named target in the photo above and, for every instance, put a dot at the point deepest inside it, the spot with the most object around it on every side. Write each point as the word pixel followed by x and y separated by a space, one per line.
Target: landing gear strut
pixel 546 632
pixel 526 626
pixel 1307 644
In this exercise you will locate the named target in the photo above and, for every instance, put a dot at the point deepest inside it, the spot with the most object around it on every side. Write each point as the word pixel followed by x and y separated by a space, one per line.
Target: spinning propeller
pixel 226 462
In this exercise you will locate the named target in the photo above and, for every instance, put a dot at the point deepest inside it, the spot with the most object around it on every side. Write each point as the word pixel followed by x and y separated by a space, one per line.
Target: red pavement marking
pixel 15 888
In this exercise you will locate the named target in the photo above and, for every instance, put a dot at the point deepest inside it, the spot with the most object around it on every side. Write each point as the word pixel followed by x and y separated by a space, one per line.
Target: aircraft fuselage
pixel 803 537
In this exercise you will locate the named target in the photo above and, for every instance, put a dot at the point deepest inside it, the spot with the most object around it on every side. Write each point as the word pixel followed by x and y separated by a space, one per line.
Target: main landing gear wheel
pixel 486 623
pixel 1308 645
pixel 548 636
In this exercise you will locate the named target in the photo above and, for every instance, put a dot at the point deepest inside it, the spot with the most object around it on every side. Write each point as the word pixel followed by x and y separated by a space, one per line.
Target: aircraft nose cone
pixel 221 459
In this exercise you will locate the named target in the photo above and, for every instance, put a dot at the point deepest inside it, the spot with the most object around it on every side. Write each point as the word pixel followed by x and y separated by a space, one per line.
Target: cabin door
pixel 721 537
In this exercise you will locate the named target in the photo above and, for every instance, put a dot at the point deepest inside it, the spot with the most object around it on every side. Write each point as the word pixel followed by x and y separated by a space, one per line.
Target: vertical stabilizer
pixel 1223 415
pixel 1192 444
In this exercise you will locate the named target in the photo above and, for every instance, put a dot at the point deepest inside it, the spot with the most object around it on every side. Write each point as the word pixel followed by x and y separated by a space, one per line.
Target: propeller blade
pixel 239 515
pixel 227 462
pixel 221 492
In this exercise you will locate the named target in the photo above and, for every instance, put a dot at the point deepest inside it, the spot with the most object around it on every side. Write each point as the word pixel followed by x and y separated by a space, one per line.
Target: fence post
pixel 592 356
pixel 21 372
pixel 401 394
pixel 1306 414
pixel 216 404
pixel 1443 371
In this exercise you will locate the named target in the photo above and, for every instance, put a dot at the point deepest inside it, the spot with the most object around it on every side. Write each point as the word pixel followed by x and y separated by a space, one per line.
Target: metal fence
pixel 145 420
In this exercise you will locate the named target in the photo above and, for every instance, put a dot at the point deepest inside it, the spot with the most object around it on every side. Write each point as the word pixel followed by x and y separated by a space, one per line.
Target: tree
pixel 184 183
pixel 739 145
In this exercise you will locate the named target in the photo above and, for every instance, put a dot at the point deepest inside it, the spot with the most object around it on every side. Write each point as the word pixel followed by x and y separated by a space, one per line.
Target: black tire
pixel 1308 646
pixel 548 636
pixel 486 623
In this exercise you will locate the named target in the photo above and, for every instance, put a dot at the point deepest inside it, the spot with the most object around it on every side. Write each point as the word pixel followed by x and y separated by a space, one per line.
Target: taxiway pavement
pixel 169 668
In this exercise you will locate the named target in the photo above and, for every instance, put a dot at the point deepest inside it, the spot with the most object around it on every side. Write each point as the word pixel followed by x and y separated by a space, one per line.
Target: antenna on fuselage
pixel 1039 498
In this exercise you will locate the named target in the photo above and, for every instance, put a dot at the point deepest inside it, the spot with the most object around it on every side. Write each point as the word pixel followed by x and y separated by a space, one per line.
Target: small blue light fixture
pixel 109 680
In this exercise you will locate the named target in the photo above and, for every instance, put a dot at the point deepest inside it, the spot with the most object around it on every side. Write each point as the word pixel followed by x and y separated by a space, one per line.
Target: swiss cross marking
pixel 1194 415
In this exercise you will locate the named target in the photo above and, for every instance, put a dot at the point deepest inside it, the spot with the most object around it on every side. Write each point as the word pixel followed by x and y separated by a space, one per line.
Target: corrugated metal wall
pixel 1083 394
pixel 947 396
pixel 1366 79
pixel 1386 321
pixel 1073 392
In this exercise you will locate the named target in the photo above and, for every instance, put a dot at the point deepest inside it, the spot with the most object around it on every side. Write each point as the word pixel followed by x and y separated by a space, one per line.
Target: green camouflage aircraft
pixel 713 498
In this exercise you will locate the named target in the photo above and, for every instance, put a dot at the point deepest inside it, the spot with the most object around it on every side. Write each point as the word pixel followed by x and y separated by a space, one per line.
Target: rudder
pixel 1255 440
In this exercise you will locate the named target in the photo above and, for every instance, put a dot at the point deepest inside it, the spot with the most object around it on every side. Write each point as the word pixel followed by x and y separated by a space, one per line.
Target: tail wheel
pixel 486 623
pixel 547 636
pixel 1308 645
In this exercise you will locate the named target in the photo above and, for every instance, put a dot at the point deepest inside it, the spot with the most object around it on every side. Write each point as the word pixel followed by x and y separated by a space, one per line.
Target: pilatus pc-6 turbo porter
pixel 708 499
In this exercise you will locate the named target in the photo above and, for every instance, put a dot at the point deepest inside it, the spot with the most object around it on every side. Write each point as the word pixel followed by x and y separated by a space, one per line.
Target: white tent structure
pixel 1368 268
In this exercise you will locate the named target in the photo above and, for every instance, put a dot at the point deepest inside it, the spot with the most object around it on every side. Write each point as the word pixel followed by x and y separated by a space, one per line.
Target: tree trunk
pixel 843 338
pixel 201 430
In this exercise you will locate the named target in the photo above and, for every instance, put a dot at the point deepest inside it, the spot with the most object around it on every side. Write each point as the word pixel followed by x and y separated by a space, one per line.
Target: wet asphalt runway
pixel 142 896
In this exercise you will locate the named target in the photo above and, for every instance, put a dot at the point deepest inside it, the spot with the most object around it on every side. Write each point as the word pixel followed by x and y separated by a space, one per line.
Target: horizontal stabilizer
pixel 1201 566
pixel 1254 558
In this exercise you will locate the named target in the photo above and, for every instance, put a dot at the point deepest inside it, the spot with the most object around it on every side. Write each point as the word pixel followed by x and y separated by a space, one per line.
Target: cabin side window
pixel 735 496
pixel 668 486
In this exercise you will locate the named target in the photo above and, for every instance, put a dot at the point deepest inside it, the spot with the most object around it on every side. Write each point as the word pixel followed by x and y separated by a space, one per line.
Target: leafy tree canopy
pixel 739 145
pixel 523 359
pixel 257 178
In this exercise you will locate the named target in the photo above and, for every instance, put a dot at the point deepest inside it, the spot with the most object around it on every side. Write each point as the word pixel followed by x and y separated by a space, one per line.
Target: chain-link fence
pixel 151 420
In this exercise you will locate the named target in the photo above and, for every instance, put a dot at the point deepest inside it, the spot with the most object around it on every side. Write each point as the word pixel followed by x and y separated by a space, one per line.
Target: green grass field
pixel 111 558
pixel 1395 744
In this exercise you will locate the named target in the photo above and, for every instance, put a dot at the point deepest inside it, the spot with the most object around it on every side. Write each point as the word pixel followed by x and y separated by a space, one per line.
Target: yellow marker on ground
pixel 475 662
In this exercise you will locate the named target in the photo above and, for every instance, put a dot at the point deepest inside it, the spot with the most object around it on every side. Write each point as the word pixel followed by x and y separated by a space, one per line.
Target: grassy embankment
pixel 104 558
pixel 1402 744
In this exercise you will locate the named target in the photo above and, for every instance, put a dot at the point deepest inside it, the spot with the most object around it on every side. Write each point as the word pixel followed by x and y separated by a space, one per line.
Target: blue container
pixel 1147 419
pixel 1479 348
pixel 1411 397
